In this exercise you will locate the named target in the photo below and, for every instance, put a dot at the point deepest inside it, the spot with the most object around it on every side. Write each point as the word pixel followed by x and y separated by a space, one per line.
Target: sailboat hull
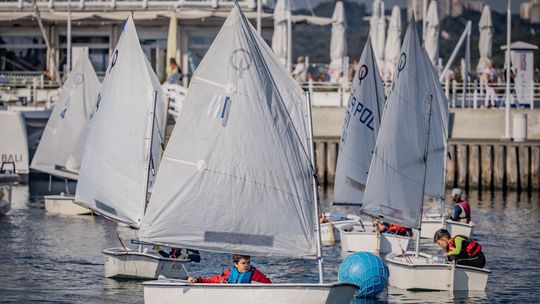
pixel 424 275
pixel 142 265
pixel 64 205
pixel 178 292
pixel 430 226
pixel 360 240
pixel 330 231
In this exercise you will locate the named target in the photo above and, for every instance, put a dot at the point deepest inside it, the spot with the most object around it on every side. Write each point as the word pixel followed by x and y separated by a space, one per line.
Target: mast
pixel 148 153
pixel 311 149
pixel 417 245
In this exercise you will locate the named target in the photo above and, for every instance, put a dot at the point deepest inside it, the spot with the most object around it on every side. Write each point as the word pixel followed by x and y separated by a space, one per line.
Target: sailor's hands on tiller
pixel 192 280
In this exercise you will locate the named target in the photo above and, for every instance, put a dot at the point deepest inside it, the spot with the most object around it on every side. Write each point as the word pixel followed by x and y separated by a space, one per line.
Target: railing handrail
pixel 145 4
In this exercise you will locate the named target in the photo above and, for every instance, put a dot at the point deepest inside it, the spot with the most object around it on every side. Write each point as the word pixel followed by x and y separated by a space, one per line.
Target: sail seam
pixel 394 169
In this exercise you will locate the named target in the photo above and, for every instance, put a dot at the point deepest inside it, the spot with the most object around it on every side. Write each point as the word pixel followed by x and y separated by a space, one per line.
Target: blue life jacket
pixel 236 277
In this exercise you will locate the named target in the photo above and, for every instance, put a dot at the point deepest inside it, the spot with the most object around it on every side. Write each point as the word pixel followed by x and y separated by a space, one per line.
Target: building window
pixel 98 48
pixel 22 53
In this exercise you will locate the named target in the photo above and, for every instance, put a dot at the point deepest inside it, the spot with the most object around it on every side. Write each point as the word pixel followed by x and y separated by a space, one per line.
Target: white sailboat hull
pixel 330 231
pixel 423 275
pixel 178 292
pixel 64 205
pixel 142 265
pixel 359 240
pixel 430 226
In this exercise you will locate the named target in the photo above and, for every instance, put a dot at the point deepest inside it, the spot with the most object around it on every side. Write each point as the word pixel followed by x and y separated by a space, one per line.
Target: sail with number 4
pixel 396 183
pixel 235 176
pixel 362 120
pixel 123 149
pixel 62 144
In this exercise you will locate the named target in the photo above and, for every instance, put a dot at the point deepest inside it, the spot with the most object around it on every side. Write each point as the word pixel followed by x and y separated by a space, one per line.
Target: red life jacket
pixel 399 230
pixel 466 209
pixel 470 246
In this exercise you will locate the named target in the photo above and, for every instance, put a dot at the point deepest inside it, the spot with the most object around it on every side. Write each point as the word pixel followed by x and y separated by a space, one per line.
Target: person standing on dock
pixel 489 76
pixel 461 209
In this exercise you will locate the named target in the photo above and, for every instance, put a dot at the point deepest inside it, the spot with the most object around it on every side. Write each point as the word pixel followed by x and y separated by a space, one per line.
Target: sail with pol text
pixel 362 120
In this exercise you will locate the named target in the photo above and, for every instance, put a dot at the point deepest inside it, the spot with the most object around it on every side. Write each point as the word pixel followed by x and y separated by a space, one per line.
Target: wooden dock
pixel 473 164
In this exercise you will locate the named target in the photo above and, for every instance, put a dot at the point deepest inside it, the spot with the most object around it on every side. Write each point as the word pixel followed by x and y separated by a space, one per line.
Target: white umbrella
pixel 280 36
pixel 486 38
pixel 377 30
pixel 338 41
pixel 431 36
pixel 172 39
pixel 393 42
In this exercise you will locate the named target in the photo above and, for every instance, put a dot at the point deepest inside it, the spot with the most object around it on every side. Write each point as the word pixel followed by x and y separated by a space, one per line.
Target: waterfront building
pixel 98 24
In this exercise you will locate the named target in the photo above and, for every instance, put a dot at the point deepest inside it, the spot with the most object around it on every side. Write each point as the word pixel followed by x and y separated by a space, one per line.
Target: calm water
pixel 47 258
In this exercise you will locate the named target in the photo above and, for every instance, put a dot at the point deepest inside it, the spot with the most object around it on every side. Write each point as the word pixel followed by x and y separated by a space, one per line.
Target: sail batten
pixel 116 171
pixel 235 176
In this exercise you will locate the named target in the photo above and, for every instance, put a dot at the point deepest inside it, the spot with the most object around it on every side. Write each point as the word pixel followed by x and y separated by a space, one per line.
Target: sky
pixel 498 5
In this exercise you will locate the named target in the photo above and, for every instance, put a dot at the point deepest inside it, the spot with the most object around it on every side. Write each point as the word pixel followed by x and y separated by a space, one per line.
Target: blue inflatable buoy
pixel 365 270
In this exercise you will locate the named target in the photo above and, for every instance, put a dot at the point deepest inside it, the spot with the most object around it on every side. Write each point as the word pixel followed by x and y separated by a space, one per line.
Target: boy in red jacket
pixel 242 272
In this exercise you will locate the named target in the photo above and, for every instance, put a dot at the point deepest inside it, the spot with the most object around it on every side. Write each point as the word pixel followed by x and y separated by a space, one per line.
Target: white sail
pixel 438 136
pixel 113 175
pixel 62 144
pixel 395 186
pixel 362 120
pixel 235 176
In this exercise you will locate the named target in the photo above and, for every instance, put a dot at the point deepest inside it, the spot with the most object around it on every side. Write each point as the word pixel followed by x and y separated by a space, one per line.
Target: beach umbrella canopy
pixel 393 41
pixel 280 36
pixel 377 30
pixel 338 40
pixel 431 36
pixel 486 38
pixel 172 41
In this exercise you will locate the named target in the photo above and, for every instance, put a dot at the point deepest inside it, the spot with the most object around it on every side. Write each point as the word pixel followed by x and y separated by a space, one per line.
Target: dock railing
pixel 337 95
